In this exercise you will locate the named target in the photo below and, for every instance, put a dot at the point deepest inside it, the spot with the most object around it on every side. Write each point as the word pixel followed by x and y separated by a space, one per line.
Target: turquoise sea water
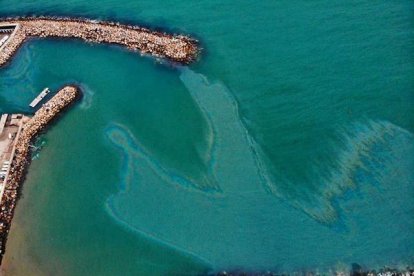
pixel 287 147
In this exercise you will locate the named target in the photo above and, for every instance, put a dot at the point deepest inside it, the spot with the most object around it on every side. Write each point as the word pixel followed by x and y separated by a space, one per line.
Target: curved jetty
pixel 22 129
pixel 29 128
pixel 177 48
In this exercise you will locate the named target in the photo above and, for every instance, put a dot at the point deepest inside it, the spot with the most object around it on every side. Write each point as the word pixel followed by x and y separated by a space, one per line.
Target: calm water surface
pixel 288 146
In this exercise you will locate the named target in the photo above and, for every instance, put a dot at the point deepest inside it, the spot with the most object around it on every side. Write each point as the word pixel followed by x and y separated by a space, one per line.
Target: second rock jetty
pixel 177 48
pixel 30 129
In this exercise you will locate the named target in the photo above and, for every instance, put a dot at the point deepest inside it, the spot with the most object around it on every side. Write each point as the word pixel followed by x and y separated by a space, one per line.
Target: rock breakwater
pixel 21 155
pixel 177 48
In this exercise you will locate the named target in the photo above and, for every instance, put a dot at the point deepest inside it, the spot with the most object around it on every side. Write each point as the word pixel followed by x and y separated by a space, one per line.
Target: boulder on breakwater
pixel 21 155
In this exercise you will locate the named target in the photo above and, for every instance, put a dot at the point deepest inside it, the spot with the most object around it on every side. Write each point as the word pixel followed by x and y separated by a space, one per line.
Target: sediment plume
pixel 21 155
pixel 177 48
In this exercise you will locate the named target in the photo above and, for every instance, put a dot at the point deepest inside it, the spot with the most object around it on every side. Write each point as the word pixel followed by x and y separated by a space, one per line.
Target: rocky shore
pixel 177 48
pixel 21 157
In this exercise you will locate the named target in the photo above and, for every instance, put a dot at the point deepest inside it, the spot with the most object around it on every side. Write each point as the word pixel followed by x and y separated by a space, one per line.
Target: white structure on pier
pixel 40 97
pixel 3 40
pixel 3 122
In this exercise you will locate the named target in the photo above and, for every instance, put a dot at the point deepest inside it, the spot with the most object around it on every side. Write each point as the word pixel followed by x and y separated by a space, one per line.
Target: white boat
pixel 3 40
pixel 39 97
